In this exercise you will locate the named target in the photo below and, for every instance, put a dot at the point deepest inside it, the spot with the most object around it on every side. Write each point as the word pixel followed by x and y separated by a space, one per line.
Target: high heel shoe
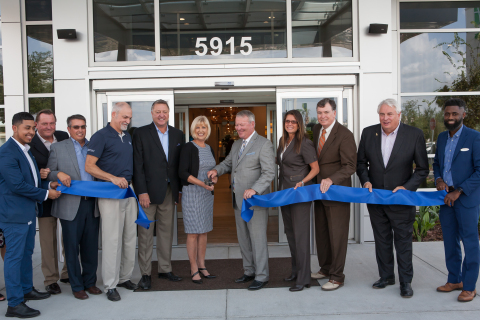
pixel 210 276
pixel 197 281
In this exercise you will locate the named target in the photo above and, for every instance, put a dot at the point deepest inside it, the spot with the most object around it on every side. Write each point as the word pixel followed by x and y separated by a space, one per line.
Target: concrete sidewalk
pixel 356 300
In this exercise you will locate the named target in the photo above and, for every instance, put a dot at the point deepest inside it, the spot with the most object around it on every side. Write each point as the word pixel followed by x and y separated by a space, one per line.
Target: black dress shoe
pixel 210 276
pixel 406 290
pixel 128 285
pixel 299 287
pixel 244 279
pixel 53 288
pixel 113 295
pixel 291 278
pixel 22 311
pixel 145 283
pixel 36 295
pixel 66 280
pixel 257 285
pixel 382 283
pixel 169 275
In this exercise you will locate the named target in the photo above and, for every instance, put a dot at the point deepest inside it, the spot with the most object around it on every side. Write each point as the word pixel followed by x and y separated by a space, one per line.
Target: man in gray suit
pixel 78 215
pixel 252 164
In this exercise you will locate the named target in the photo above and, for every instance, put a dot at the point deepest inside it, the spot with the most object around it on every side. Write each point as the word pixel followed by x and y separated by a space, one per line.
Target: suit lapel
pixel 290 147
pixel 397 145
pixel 378 144
pixel 171 144
pixel 38 145
pixel 330 139
pixel 153 132
pixel 248 147
pixel 37 172
pixel 461 141
pixel 73 155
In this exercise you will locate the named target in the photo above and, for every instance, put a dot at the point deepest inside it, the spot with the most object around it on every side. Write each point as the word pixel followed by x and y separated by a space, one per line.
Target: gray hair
pixel 391 103
pixel 119 106
pixel 160 101
pixel 247 113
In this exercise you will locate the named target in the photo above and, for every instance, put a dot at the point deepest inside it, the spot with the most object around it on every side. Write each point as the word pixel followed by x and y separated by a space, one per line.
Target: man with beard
pixel 457 170
pixel 110 158
pixel 386 156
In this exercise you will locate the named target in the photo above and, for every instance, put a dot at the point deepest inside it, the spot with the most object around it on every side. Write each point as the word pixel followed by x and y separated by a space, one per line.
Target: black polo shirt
pixel 114 153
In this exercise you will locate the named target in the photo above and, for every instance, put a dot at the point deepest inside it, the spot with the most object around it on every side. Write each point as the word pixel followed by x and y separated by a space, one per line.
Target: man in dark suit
pixel 21 193
pixel 78 215
pixel 386 155
pixel 156 154
pixel 46 135
pixel 337 157
pixel 457 170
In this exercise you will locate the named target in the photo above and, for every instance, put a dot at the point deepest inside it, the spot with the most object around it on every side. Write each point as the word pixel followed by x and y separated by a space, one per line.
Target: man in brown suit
pixel 337 159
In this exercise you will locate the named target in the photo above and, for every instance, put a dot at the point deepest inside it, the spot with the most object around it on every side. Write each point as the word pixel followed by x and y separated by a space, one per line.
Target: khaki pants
pixel 48 244
pixel 118 239
pixel 164 214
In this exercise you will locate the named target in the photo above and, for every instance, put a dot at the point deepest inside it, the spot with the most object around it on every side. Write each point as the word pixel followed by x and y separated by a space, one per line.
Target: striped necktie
pixel 242 148
pixel 321 142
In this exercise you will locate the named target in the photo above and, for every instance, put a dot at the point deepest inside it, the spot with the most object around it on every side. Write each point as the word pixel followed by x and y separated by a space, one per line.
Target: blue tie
pixel 242 148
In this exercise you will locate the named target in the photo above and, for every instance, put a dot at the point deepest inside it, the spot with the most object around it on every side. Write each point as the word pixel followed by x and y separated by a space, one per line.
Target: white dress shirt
pixel 387 144
pixel 46 142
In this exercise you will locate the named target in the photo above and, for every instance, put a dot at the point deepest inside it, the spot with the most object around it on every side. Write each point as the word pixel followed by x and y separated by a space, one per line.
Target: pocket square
pixel 464 149
pixel 250 153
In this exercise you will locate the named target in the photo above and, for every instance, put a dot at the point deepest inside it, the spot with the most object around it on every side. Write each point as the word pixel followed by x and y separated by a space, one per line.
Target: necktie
pixel 321 142
pixel 242 148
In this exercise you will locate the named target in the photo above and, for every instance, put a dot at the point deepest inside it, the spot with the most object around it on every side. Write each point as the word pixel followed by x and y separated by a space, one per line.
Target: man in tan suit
pixel 337 159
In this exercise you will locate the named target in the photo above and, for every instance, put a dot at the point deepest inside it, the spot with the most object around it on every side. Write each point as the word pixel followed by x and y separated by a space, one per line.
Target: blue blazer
pixel 18 194
pixel 465 164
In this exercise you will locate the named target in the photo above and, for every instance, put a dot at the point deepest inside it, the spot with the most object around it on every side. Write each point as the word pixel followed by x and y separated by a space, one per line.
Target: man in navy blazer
pixel 457 170
pixel 21 193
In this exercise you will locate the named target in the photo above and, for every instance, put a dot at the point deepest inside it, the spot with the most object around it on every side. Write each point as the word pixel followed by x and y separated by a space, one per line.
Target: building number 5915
pixel 217 46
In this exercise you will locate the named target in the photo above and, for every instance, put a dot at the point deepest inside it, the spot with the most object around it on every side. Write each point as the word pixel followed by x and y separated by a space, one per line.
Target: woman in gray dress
pixel 196 159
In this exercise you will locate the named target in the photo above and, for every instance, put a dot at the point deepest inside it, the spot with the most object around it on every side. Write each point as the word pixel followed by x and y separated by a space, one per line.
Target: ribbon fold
pixel 98 189
pixel 342 194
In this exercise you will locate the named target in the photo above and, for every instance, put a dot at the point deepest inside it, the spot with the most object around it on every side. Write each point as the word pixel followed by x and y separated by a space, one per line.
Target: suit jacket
pixel 18 194
pixel 338 158
pixel 151 170
pixel 409 148
pixel 465 164
pixel 254 170
pixel 63 158
pixel 295 166
pixel 41 156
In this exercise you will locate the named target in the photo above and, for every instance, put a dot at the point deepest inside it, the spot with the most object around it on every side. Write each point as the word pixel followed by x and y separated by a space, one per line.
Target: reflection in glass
pixel 222 29
pixel 2 126
pixel 37 104
pixel 2 97
pixel 308 109
pixel 40 59
pixel 322 28
pixel 141 114
pixel 439 62
pixel 0 34
pixel 440 15
pixel 124 30
pixel 38 10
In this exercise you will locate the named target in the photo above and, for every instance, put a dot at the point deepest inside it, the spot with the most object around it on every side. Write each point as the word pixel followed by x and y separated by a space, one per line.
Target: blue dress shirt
pixel 449 151
pixel 164 140
pixel 81 153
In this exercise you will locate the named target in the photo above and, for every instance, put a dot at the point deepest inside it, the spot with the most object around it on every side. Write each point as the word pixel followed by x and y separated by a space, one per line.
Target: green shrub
pixel 425 220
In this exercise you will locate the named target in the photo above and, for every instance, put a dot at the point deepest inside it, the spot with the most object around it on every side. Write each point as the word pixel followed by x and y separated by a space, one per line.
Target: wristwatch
pixel 460 190
pixel 303 184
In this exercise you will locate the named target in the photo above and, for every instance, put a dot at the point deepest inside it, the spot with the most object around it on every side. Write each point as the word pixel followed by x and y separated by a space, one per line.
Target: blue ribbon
pixel 342 194
pixel 98 189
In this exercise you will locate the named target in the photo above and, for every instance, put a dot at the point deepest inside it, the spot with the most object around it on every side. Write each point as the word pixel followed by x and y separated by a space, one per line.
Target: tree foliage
pixel 40 72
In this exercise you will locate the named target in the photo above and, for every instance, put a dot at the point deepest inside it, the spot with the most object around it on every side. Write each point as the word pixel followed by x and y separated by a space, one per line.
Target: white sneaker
pixel 332 285
pixel 317 275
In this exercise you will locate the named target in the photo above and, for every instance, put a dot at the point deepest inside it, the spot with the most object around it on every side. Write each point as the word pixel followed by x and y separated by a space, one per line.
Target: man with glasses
pixel 78 215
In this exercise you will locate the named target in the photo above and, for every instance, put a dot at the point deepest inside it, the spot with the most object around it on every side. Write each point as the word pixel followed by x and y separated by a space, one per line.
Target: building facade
pixel 216 57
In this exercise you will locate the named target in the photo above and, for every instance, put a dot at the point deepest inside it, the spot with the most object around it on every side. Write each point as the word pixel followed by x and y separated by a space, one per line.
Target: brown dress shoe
pixel 467 296
pixel 53 288
pixel 81 295
pixel 449 287
pixel 94 290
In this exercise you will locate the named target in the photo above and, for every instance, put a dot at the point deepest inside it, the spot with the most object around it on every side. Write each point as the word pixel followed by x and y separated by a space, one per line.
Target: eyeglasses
pixel 78 127
pixel 291 121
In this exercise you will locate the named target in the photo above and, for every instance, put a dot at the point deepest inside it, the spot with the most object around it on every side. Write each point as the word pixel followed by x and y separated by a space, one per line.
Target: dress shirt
pixel 246 144
pixel 387 144
pixel 81 153
pixel 327 132
pixel 164 140
pixel 249 138
pixel 25 149
pixel 449 151
pixel 47 143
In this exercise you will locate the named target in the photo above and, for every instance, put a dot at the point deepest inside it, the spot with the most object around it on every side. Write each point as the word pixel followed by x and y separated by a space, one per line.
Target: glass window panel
pixel 260 24
pixel 322 28
pixel 439 62
pixel 2 126
pixel 37 104
pixel 40 59
pixel 124 30
pixel 2 97
pixel 38 10
pixel 0 33
pixel 440 15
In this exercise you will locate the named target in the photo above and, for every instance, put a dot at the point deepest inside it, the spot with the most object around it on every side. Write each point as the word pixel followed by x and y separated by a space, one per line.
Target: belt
pixel 451 188
pixel 86 198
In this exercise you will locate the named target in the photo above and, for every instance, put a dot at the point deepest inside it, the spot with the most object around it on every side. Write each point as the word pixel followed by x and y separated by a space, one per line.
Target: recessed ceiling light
pixel 181 19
